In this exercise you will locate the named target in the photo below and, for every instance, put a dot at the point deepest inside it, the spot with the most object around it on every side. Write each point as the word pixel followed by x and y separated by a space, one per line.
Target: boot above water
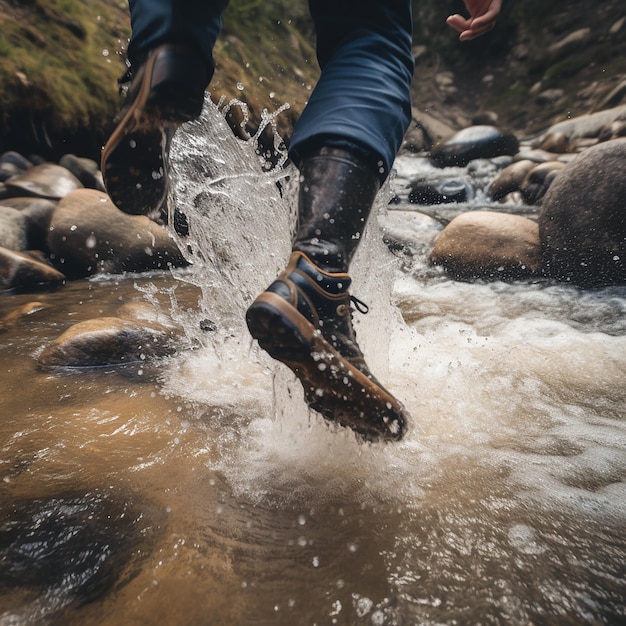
pixel 165 91
pixel 304 320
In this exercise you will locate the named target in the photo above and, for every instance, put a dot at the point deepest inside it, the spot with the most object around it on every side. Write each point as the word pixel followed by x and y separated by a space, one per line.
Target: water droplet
pixel 301 520
pixel 316 561
pixel 240 86
pixel 105 53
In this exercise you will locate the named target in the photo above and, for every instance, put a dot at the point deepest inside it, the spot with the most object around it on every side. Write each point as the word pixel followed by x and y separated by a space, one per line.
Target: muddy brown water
pixel 199 490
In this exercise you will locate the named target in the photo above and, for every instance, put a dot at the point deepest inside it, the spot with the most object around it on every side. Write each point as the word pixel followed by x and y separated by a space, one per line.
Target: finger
pixel 458 22
pixel 472 33
pixel 488 18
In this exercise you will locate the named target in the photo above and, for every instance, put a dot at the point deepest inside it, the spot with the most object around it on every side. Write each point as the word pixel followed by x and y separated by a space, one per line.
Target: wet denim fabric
pixel 362 98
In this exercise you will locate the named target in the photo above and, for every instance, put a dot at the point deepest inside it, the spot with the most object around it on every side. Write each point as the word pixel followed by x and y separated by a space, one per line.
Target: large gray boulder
pixel 88 234
pixel 582 224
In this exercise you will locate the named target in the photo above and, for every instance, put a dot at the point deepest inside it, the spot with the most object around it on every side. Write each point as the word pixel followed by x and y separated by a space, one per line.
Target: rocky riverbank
pixel 544 62
pixel 57 224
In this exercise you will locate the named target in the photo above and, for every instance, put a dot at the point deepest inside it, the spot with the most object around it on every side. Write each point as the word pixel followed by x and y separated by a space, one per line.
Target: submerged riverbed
pixel 200 490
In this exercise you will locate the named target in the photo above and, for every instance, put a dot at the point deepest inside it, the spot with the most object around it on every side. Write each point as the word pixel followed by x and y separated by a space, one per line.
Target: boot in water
pixel 304 320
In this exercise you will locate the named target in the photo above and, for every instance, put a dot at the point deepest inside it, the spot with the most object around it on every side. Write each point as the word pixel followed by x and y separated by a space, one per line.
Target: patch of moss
pixel 56 66
pixel 566 68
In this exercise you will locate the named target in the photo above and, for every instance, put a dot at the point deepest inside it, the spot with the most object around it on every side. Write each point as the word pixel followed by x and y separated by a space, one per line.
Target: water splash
pixel 241 219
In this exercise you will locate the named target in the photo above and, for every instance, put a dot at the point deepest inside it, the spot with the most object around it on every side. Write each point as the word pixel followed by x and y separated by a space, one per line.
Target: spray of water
pixel 493 374
pixel 241 219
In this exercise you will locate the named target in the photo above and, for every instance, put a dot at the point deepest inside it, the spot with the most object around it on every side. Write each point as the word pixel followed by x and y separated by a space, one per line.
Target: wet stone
pixel 107 341
pixel 13 318
pixel 489 245
pixel 38 213
pixel 86 170
pixel 582 224
pixel 538 181
pixel 510 179
pixel 13 164
pixel 13 229
pixel 73 547
pixel 475 142
pixel 423 191
pixel 88 234
pixel 21 272
pixel 47 180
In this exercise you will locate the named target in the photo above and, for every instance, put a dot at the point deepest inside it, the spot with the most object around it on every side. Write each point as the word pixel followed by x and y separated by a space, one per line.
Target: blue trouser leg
pixel 192 22
pixel 362 99
pixel 363 94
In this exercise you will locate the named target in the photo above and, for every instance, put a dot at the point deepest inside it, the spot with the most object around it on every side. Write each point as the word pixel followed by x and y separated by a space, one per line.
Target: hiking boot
pixel 167 90
pixel 304 320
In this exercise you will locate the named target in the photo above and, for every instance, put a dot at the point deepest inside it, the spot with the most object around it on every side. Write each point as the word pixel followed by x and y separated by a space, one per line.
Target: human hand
pixel 483 14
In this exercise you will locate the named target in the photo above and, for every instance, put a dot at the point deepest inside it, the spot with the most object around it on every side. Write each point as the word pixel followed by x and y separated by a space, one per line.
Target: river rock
pixel 538 181
pixel 475 142
pixel 433 130
pixel 424 191
pixel 80 542
pixel 21 272
pixel 107 341
pixel 582 223
pixel 414 140
pixel 510 179
pixel 570 43
pixel 13 318
pixel 13 229
pixel 615 96
pixel 88 234
pixel 13 164
pixel 490 245
pixel 38 213
pixel 614 130
pixel 588 125
pixel 556 143
pixel 411 232
pixel 535 155
pixel 47 180
pixel 86 170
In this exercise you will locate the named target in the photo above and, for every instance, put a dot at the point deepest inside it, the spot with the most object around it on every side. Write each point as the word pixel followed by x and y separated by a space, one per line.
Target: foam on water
pixel 526 380
pixel 240 238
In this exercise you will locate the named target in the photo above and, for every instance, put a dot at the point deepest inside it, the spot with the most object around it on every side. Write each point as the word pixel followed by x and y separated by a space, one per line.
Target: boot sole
pixel 133 161
pixel 332 385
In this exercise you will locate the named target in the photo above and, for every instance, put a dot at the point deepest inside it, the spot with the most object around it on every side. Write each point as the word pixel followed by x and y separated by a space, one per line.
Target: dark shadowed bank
pixel 545 61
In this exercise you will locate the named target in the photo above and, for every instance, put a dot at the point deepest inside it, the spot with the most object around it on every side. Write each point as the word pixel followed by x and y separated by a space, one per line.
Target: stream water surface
pixel 201 491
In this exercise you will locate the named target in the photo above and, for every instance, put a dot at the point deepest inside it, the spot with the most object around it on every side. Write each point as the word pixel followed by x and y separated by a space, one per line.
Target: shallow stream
pixel 200 490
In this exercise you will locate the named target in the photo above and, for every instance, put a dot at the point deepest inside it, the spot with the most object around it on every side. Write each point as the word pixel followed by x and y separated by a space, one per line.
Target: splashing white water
pixel 241 220
pixel 481 367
